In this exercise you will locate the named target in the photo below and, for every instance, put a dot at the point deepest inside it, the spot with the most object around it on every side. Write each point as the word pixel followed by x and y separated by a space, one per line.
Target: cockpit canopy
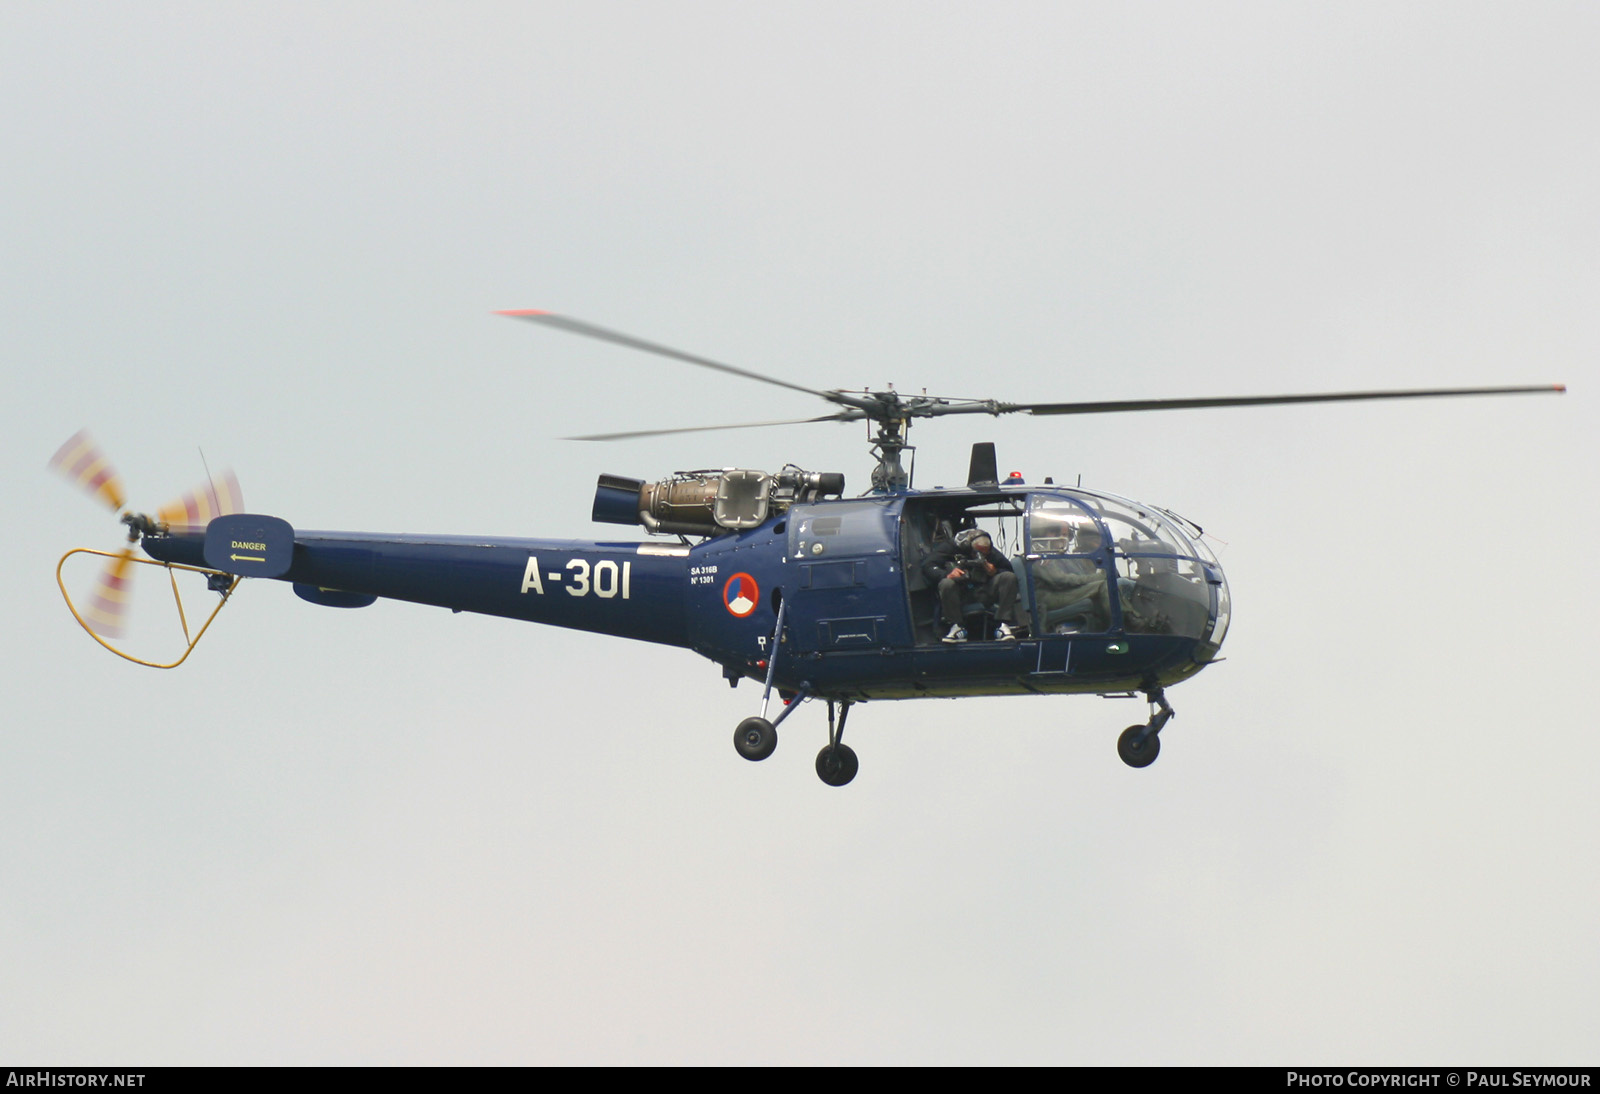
pixel 1167 581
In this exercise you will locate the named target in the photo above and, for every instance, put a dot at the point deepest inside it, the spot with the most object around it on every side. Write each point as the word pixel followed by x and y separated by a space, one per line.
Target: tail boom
pixel 630 590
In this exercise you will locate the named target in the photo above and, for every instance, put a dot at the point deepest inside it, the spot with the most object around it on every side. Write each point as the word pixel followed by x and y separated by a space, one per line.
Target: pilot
pixel 968 567
pixel 1071 591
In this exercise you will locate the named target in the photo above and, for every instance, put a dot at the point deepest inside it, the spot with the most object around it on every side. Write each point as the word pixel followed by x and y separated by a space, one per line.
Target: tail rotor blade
pixel 82 461
pixel 108 607
pixel 199 506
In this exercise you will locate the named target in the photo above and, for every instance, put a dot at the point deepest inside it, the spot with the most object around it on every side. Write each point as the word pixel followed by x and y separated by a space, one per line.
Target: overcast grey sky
pixel 277 233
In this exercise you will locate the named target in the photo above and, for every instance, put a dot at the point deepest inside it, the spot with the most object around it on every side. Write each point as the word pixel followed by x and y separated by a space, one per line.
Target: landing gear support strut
pixel 755 738
pixel 772 660
pixel 1140 745
pixel 837 763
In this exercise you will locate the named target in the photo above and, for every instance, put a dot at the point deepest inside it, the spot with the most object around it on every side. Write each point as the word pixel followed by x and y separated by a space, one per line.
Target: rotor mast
pixel 890 475
pixel 893 412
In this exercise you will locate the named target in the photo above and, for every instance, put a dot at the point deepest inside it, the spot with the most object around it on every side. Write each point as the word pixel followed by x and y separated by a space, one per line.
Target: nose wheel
pixel 1140 745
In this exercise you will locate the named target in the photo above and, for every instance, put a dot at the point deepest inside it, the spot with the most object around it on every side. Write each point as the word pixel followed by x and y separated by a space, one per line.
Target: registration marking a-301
pixel 608 579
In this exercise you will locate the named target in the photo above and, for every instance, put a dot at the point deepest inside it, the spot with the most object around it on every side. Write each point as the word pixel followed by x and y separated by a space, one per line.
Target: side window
pixel 1066 566
pixel 1059 527
pixel 1163 595
pixel 851 529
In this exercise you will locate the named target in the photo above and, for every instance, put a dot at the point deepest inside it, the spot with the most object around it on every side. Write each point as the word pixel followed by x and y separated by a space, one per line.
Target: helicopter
pixel 780 578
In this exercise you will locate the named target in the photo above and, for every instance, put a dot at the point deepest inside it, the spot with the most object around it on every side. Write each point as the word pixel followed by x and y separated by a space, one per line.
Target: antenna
pixel 211 486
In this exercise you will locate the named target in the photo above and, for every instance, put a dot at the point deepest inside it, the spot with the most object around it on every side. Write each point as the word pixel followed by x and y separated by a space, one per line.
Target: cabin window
pixel 1067 568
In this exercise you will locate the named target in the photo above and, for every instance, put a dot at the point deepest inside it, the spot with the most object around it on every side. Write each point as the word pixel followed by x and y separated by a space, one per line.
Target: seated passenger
pixel 968 567
pixel 1071 594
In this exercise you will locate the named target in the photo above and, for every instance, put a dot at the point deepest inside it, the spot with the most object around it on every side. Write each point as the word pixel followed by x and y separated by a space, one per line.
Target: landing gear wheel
pixel 837 764
pixel 755 738
pixel 1135 754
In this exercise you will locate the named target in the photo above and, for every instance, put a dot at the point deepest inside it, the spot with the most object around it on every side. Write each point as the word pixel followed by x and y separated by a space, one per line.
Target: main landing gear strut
pixel 756 738
pixel 1139 745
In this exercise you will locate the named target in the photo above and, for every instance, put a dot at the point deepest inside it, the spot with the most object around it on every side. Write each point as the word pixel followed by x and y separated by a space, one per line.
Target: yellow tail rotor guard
pixel 177 597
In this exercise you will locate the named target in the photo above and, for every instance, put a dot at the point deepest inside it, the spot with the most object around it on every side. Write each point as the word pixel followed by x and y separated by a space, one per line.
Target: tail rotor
pixel 82 462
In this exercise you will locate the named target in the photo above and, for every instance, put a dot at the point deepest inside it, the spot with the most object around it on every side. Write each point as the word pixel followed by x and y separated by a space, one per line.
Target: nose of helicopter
pixel 1221 606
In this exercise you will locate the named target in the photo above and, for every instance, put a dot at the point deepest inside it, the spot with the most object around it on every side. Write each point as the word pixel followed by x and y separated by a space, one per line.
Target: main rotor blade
pixel 1262 400
pixel 589 330
pixel 842 416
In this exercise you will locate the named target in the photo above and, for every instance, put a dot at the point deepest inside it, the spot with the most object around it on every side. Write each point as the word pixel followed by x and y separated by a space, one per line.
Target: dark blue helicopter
pixel 788 582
